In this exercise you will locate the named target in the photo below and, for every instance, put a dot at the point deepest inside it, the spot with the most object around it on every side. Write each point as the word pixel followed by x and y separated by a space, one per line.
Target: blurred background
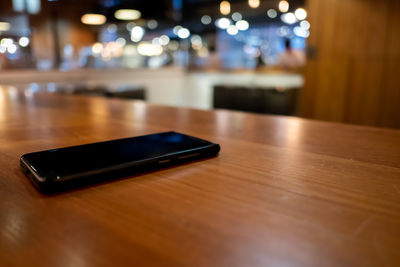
pixel 333 60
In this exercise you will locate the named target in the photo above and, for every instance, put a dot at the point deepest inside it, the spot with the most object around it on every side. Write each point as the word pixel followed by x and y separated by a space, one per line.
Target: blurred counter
pixel 168 86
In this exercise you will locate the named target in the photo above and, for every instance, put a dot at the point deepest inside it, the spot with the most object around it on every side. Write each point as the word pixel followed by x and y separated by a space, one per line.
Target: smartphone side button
pixel 164 161
pixel 189 156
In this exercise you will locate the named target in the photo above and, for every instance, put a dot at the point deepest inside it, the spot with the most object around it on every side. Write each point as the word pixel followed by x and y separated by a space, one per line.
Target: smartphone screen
pixel 58 164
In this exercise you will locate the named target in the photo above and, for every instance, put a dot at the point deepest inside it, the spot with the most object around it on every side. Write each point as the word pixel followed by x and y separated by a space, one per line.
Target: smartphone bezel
pixel 44 183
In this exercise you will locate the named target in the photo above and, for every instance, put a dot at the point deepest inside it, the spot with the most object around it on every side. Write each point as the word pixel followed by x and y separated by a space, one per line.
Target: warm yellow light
pixel 130 50
pixel 127 14
pixel 149 49
pixel 97 48
pixel 173 45
pixel 4 26
pixel 254 3
pixel 283 6
pixel 225 8
pixel 203 52
pixel 93 19
pixel 301 13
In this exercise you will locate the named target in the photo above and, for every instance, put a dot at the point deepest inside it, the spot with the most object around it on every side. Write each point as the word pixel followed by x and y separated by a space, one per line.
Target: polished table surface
pixel 283 191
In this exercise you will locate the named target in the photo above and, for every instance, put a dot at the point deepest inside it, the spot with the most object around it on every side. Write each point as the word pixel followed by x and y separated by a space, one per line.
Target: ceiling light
pixel 196 39
pixel 156 41
pixel 299 31
pixel 97 48
pixel 272 13
pixel 300 13
pixel 164 40
pixel 23 41
pixel 289 18
pixel 305 25
pixel 152 24
pixel 93 19
pixel 236 16
pixel 121 41
pixel 12 49
pixel 130 25
pixel 129 50
pixel 137 34
pixel 225 7
pixel 254 3
pixel 222 23
pixel 176 29
pixel 206 19
pixel 4 26
pixel 242 25
pixel 183 33
pixel 112 28
pixel 283 6
pixel 148 49
pixel 127 14
pixel 6 42
pixel 232 30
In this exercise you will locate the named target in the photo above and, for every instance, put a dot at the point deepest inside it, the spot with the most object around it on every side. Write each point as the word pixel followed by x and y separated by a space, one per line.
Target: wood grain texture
pixel 283 191
pixel 354 76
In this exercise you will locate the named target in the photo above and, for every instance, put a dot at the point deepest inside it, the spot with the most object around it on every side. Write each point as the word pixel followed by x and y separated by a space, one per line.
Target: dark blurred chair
pixel 281 102
pixel 133 93
pixel 96 91
pixel 250 100
pixel 125 92
pixel 258 100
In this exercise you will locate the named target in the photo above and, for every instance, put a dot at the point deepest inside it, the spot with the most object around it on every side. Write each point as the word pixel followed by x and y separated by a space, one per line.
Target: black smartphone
pixel 69 167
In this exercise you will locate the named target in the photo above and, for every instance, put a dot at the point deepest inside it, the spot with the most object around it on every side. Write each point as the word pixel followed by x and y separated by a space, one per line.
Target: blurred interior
pixel 322 59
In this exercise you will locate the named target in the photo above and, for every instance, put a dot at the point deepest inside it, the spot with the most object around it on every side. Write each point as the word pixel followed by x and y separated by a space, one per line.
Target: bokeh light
pixel 283 6
pixel 93 19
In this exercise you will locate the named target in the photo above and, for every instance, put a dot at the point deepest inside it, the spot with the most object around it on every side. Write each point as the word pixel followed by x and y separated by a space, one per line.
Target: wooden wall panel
pixel 390 97
pixel 354 76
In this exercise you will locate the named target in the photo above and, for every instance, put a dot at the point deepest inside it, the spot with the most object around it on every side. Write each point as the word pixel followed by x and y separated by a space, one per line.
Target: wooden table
pixel 283 191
